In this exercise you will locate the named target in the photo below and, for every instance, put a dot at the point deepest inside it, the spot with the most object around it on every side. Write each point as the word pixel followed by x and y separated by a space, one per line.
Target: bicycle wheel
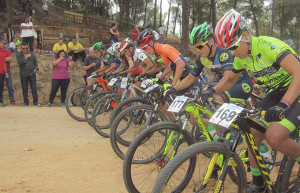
pixel 173 177
pixel 124 105
pixel 291 177
pixel 129 123
pixel 147 155
pixel 101 113
pixel 90 104
pixel 76 100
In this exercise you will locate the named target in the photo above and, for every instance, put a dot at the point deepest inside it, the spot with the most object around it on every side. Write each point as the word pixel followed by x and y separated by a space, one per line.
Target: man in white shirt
pixel 161 32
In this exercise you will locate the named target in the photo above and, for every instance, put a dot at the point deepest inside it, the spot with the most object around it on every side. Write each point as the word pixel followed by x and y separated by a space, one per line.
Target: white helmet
pixel 114 48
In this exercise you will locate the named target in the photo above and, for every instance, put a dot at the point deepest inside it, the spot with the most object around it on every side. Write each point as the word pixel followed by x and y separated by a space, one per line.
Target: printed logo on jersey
pixel 274 79
pixel 223 57
pixel 268 71
pixel 273 47
pixel 265 42
pixel 258 56
pixel 246 87
pixel 278 50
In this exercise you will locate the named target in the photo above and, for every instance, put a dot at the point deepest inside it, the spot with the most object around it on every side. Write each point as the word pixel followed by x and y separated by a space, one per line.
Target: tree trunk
pixel 234 5
pixel 170 5
pixel 273 17
pixel 213 12
pixel 254 17
pixel 8 8
pixel 160 14
pixel 282 19
pixel 185 27
pixel 145 14
pixel 155 7
pixel 87 12
pixel 175 20
pixel 134 13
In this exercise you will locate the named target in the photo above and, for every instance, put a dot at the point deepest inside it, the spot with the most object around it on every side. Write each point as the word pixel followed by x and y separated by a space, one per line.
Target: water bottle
pixel 212 132
pixel 266 153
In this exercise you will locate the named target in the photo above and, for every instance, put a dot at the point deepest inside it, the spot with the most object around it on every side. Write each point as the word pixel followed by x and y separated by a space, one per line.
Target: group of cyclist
pixel 231 53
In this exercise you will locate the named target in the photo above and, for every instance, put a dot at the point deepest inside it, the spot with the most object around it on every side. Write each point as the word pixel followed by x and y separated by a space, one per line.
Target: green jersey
pixel 264 61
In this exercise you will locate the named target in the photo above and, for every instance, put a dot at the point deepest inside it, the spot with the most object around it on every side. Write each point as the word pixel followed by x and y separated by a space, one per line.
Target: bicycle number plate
pixel 151 88
pixel 177 104
pixel 112 82
pixel 145 83
pixel 226 114
pixel 124 82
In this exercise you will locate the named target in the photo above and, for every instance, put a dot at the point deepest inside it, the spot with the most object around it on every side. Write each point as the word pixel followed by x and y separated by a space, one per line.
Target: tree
pixel 185 27
pixel 169 11
pixel 87 12
pixel 155 7
pixel 176 14
pixel 160 14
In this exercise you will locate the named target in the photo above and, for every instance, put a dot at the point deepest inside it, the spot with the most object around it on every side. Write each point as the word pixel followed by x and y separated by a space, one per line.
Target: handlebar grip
pixel 210 99
pixel 263 113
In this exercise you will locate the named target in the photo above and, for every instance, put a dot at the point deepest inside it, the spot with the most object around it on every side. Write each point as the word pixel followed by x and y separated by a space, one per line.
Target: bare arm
pixel 228 80
pixel 186 82
pixel 111 68
pixel 165 73
pixel 179 69
pixel 292 66
pixel 119 69
pixel 133 66
pixel 149 65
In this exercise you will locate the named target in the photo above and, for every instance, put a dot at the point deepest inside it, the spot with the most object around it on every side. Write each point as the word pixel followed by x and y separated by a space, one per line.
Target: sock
pixel 255 172
pixel 298 159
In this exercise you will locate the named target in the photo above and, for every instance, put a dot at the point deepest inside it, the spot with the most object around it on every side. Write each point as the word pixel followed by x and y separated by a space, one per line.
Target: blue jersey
pixel 221 62
pixel 110 58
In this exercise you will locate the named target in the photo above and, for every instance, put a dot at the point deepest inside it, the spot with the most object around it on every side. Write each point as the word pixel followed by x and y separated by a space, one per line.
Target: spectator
pixel 8 79
pixel 38 38
pixel 27 33
pixel 91 64
pixel 114 33
pixel 28 67
pixel 19 42
pixel 3 71
pixel 9 34
pixel 134 33
pixel 60 77
pixel 59 46
pixel 76 50
pixel 12 46
pixel 161 32
pixel 45 8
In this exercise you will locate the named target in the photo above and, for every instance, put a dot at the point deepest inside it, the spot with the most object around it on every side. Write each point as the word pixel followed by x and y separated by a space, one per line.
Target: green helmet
pixel 98 46
pixel 201 33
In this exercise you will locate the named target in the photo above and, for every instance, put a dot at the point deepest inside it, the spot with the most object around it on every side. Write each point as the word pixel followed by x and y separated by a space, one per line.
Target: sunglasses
pixel 235 46
pixel 200 46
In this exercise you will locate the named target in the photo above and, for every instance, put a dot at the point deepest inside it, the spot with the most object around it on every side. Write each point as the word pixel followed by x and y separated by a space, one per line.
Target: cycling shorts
pixel 241 90
pixel 292 116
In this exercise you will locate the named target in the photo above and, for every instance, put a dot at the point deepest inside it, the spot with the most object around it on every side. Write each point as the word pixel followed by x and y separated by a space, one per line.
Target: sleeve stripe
pixel 282 55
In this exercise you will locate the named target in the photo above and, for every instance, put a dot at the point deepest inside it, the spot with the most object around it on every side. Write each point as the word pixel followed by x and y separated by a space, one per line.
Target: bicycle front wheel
pixel 291 177
pixel 150 151
pixel 207 170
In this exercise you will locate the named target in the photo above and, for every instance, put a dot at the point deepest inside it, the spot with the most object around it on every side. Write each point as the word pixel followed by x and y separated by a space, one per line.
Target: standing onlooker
pixel 3 71
pixel 19 42
pixel 60 77
pixel 8 79
pixel 27 33
pixel 59 46
pixel 114 33
pixel 38 38
pixel 161 32
pixel 12 46
pixel 28 67
pixel 45 8
pixel 76 50
pixel 9 34
pixel 134 33
pixel 91 64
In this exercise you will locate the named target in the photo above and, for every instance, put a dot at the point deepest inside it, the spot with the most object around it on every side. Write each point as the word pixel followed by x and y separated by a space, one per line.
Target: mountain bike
pixel 191 170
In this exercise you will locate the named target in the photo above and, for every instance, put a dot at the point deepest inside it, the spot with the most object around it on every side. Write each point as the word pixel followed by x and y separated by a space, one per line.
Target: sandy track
pixel 67 155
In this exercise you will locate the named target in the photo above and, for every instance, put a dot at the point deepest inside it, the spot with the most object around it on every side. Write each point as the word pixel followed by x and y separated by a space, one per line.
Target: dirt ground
pixel 65 155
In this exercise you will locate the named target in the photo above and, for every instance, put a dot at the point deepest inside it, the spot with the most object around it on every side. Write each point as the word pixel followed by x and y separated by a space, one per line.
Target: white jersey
pixel 139 55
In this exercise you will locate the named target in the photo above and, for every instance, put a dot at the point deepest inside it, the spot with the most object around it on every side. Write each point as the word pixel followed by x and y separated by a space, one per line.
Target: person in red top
pixel 134 33
pixel 3 70
pixel 8 80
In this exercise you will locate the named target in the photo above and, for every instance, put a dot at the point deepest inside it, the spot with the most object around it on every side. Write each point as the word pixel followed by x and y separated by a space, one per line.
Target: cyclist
pixel 110 61
pixel 222 63
pixel 131 56
pixel 276 65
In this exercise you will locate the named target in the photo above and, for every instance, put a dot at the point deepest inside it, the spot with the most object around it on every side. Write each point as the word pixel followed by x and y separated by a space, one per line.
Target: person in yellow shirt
pixel 59 46
pixel 76 50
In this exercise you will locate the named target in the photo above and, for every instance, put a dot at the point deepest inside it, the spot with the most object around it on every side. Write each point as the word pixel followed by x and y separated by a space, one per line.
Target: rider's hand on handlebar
pixel 169 92
pixel 94 73
pixel 276 112
pixel 207 94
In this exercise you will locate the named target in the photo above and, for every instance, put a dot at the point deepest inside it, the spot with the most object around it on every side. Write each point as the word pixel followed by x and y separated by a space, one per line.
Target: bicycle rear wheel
pixel 147 155
pixel 76 101
pixel 203 178
pixel 291 177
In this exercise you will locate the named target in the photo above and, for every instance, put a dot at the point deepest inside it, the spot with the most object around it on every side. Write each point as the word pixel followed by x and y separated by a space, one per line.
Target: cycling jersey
pixel 109 58
pixel 264 61
pixel 222 61
pixel 170 56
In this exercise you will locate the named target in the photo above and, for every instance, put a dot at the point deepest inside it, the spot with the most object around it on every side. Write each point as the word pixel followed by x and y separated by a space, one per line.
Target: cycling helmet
pixel 114 48
pixel 145 36
pixel 202 32
pixel 98 46
pixel 229 28
pixel 126 44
